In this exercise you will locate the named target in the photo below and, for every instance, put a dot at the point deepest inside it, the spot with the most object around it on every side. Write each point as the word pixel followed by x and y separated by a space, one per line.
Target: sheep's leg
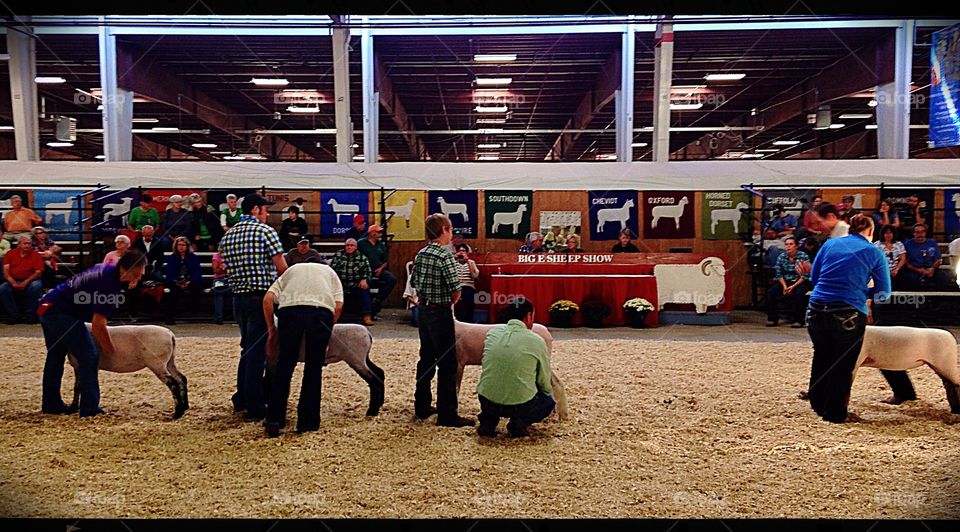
pixel 377 387
pixel 560 396
pixel 953 395
pixel 174 386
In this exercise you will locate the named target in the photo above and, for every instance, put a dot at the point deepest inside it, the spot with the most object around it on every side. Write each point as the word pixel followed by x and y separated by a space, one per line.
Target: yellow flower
pixel 564 305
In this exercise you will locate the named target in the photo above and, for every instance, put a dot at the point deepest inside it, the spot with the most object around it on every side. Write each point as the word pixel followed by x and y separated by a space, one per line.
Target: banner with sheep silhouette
pixel 304 200
pixel 951 213
pixel 58 209
pixel 460 206
pixel 723 215
pixel 508 213
pixel 407 208
pixel 339 208
pixel 668 215
pixel 612 211
pixel 112 207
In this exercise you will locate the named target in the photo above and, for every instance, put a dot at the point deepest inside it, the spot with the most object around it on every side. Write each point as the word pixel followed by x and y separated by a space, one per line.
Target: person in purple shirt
pixel 837 314
pixel 90 296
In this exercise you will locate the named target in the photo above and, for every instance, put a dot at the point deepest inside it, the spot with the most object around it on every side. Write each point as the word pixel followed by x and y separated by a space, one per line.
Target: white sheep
pixel 903 348
pixel 117 210
pixel 58 209
pixel 727 215
pixel 342 208
pixel 509 218
pixel 669 211
pixel 702 284
pixel 470 337
pixel 956 203
pixel 620 214
pixel 405 210
pixel 137 347
pixel 449 209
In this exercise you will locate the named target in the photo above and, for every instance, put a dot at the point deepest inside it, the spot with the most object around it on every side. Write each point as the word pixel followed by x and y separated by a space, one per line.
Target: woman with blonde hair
pixel 122 244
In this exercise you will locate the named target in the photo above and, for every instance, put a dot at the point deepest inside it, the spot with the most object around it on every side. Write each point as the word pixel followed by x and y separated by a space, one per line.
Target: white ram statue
pixel 702 284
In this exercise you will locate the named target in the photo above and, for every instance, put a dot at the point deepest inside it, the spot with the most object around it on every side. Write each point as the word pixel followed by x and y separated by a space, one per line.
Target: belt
pixel 830 307
pixel 435 305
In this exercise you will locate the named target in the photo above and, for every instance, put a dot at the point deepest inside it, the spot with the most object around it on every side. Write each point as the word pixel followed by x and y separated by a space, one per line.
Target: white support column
pixel 117 103
pixel 371 100
pixel 624 96
pixel 341 89
pixel 662 81
pixel 893 99
pixel 23 92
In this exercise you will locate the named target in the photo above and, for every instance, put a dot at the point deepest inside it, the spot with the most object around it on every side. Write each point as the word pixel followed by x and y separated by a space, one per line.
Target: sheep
pixel 58 209
pixel 509 218
pixel 404 210
pixel 903 348
pixel 956 203
pixel 453 208
pixel 620 214
pixel 350 343
pixel 470 337
pixel 669 211
pixel 702 284
pixel 342 209
pixel 117 210
pixel 137 347
pixel 727 215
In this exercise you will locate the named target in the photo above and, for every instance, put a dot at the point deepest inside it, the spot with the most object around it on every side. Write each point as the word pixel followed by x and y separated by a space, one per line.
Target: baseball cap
pixel 303 238
pixel 358 218
pixel 847 197
pixel 374 227
pixel 176 198
pixel 252 200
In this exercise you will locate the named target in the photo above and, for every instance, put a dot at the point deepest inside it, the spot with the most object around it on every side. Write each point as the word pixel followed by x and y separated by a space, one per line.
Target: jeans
pixel 253 342
pixel 363 294
pixel 463 310
pixel 798 301
pixel 65 334
pixel 438 349
pixel 312 327
pixel 219 292
pixel 533 411
pixel 32 293
pixel 385 284
pixel 837 333
pixel 172 300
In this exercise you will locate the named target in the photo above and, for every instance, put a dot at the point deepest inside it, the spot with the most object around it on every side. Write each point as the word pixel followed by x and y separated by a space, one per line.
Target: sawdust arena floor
pixel 658 429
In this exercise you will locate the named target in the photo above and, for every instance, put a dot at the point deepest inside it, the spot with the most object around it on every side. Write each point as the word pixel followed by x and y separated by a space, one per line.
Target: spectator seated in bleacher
pixel 183 274
pixel 50 253
pixel 922 270
pixel 845 210
pixel 772 247
pixel 788 283
pixel 230 214
pixel 467 274
pixel 22 270
pixel 374 248
pixel 911 214
pixel 176 221
pixel 219 288
pixel 122 245
pixel 359 229
pixel 303 252
pixel 533 243
pixel 812 226
pixel 624 245
pixel 4 244
pixel 207 231
pixel 885 216
pixel 783 224
pixel 19 220
pixel 292 228
pixel 893 250
pixel 353 268
pixel 143 214
pixel 154 250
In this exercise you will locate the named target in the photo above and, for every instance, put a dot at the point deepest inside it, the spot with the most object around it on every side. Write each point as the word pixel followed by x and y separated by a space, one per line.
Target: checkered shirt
pixel 351 268
pixel 435 275
pixel 247 250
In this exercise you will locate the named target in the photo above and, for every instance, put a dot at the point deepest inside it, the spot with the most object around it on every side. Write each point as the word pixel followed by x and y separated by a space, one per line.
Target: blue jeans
pixel 219 292
pixel 533 411
pixel 9 300
pixel 64 333
pixel 363 294
pixel 385 283
pixel 253 354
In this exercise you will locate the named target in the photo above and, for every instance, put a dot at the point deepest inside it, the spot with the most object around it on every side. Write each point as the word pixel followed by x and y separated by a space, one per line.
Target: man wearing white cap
pixel 230 214
pixel 176 221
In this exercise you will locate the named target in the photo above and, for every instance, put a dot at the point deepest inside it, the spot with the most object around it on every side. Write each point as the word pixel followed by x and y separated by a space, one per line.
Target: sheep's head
pixel 684 200
pixel 523 207
pixel 629 203
pixel 712 266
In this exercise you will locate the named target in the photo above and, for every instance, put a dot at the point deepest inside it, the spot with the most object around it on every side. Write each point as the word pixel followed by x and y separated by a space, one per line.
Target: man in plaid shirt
pixel 253 257
pixel 438 289
pixel 353 269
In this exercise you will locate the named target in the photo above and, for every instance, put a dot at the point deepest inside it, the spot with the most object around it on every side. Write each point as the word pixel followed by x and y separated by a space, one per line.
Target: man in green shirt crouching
pixel 515 382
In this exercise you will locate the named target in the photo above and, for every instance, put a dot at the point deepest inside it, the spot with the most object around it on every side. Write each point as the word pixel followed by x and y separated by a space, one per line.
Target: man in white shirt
pixel 310 298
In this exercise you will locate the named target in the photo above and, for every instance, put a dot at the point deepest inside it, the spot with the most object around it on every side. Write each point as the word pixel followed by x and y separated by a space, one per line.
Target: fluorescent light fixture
pixel 145 120
pixel 358 157
pixel 872 103
pixel 686 106
pixel 768 150
pixel 6 128
pixel 491 120
pixel 270 82
pixel 165 129
pixel 871 126
pixel 101 157
pixel 295 109
pixel 837 126
pixel 496 109
pixel 724 77
pixel 751 155
pixel 221 152
pixel 203 145
pixel 354 145
pixel 494 58
pixel 60 144
pixel 489 157
pixel 490 130
pixel 49 79
pixel 786 142
pixel 494 81
pixel 234 158
pixel 855 116
pixel 494 145
pixel 639 145
pixel 245 157
pixel 607 157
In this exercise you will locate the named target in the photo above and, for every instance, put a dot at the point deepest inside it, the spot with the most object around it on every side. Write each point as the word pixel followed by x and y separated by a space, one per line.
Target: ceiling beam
pixel 860 70
pixel 398 113
pixel 603 92
pixel 148 150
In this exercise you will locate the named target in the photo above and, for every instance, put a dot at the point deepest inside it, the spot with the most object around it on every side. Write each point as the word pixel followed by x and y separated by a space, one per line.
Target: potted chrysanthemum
pixel 562 312
pixel 636 310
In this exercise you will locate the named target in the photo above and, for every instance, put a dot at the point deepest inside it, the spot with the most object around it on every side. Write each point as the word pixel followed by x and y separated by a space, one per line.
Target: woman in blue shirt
pixel 183 274
pixel 788 283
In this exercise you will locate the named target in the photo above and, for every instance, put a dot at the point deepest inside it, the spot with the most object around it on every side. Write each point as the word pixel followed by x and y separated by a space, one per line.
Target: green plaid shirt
pixel 247 250
pixel 435 275
pixel 351 268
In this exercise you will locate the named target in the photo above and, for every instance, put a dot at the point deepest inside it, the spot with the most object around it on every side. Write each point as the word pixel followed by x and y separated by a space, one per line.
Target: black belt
pixel 831 307
pixel 435 305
